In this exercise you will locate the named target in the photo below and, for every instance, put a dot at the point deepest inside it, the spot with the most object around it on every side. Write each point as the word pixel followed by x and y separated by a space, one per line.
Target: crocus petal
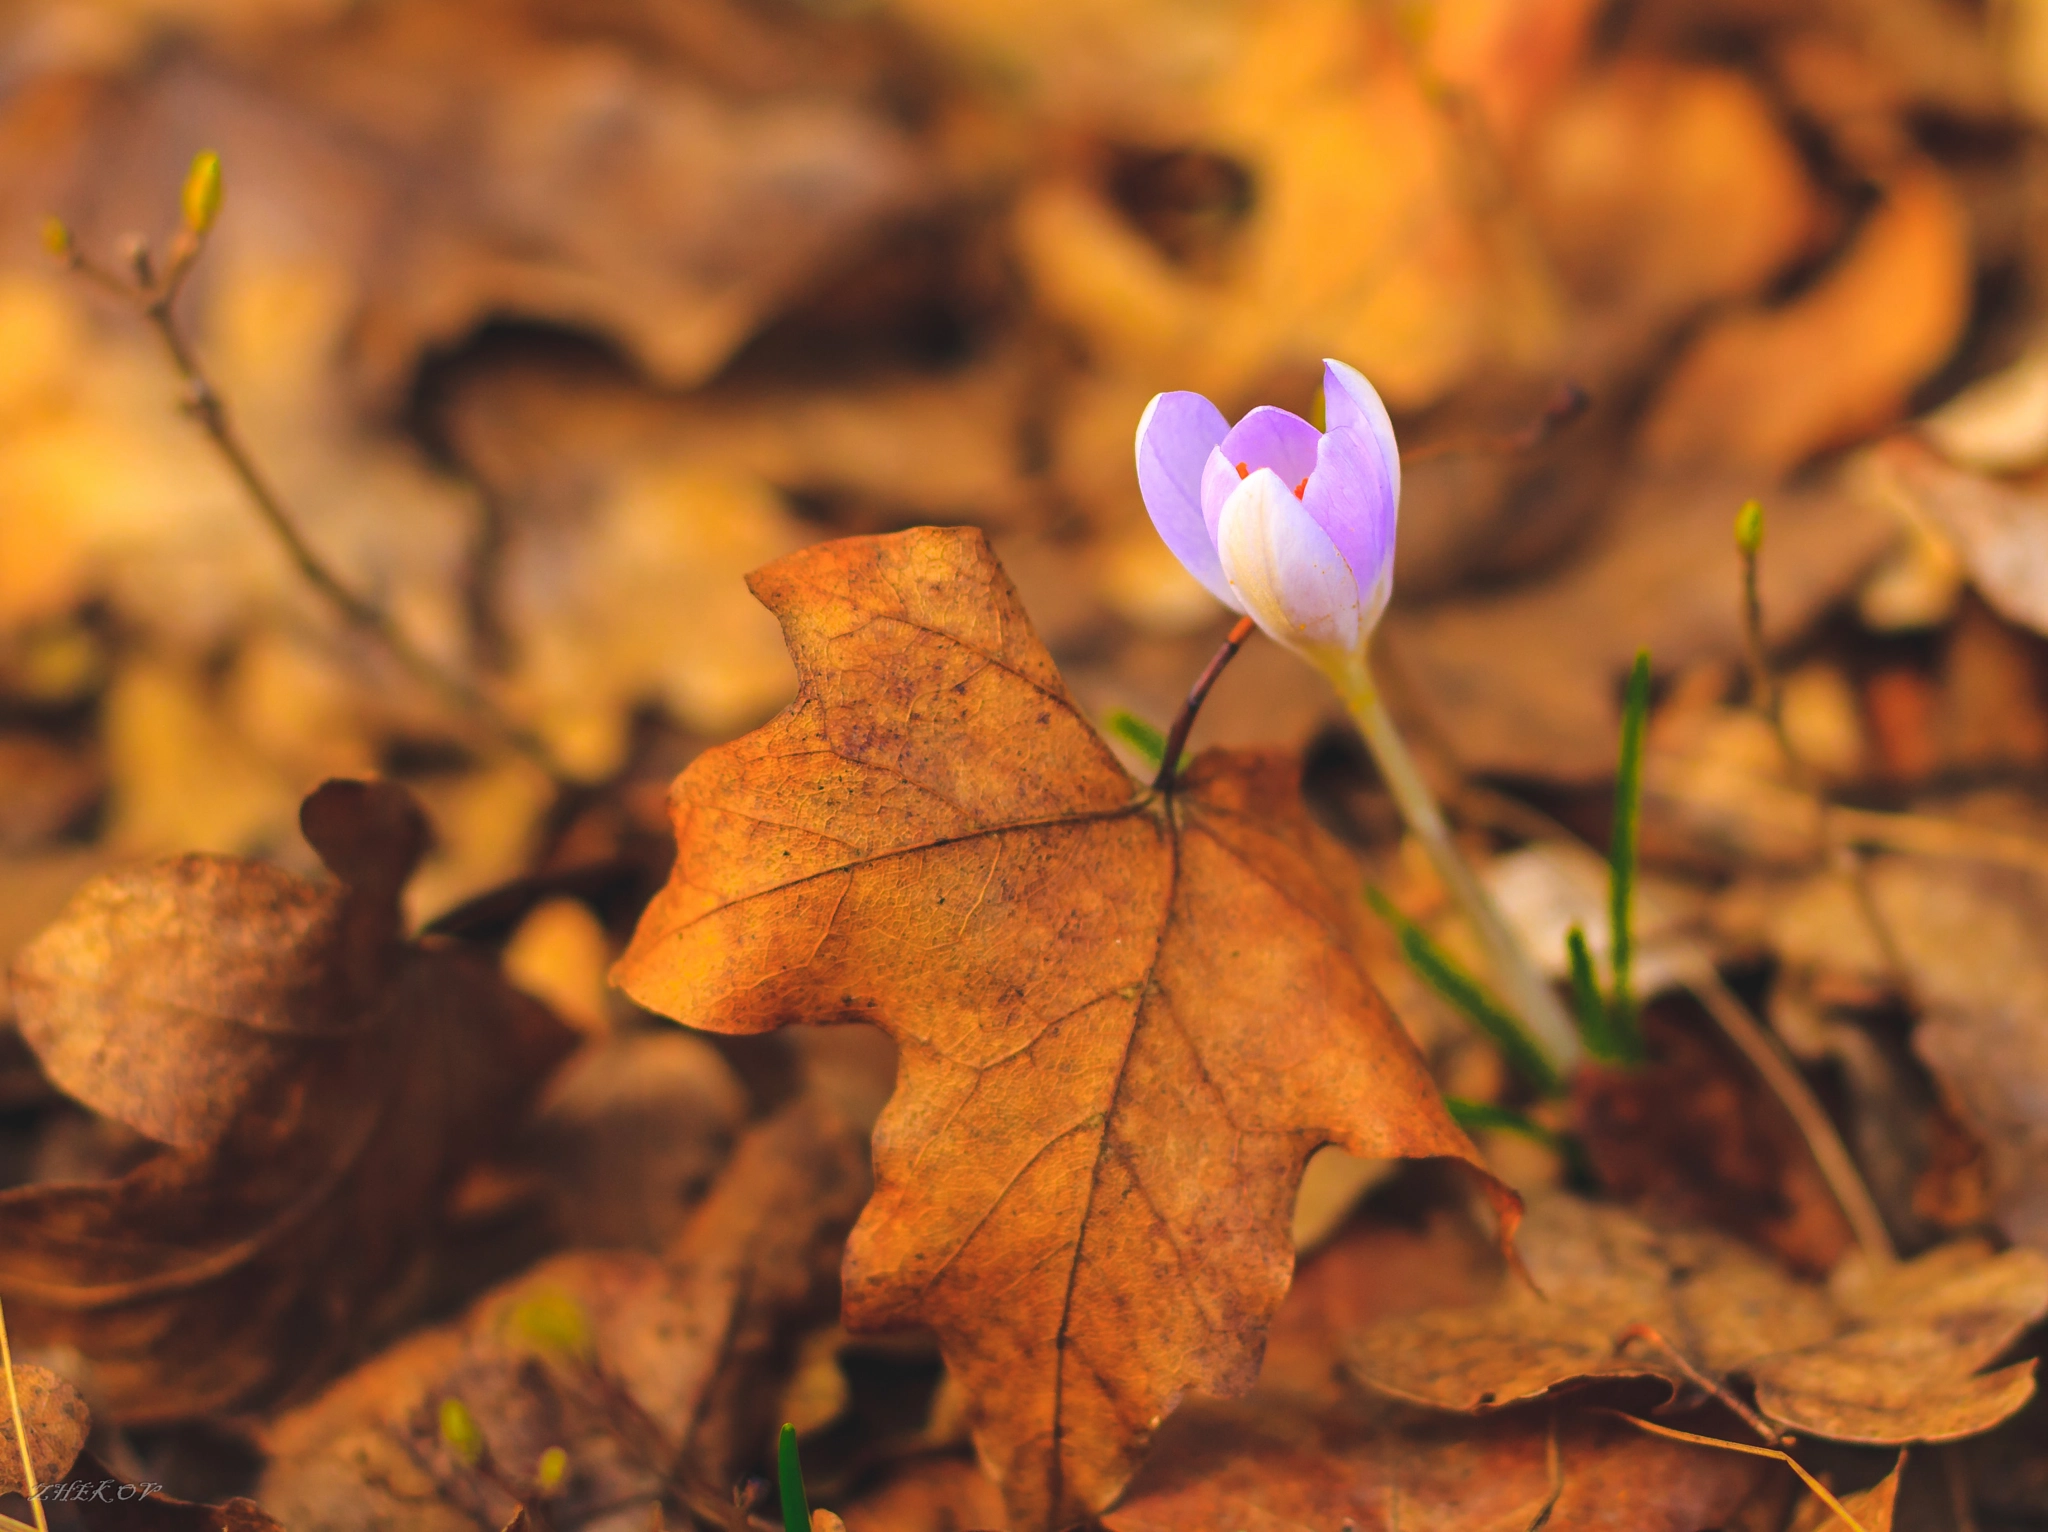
pixel 1288 575
pixel 1266 438
pixel 1352 404
pixel 1350 498
pixel 1277 439
pixel 1175 434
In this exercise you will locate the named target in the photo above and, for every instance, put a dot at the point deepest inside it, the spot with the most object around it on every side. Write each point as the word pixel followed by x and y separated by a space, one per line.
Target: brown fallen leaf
pixel 656 1375
pixel 1237 1466
pixel 1999 530
pixel 1773 387
pixel 1523 681
pixel 1968 933
pixel 1600 1271
pixel 1909 1368
pixel 1125 1021
pixel 319 1085
pixel 1889 1359
pixel 57 1422
pixel 1871 1507
pixel 630 1134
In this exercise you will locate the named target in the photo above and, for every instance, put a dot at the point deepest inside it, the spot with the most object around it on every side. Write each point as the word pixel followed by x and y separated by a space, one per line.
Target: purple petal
pixel 1277 439
pixel 1350 403
pixel 1220 479
pixel 1289 575
pixel 1175 434
pixel 1350 498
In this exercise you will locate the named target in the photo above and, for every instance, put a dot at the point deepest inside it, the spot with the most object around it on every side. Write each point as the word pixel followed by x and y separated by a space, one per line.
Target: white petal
pixel 1284 568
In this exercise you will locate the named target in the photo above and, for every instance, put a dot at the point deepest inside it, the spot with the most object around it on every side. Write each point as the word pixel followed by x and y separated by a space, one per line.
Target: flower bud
pixel 551 1470
pixel 1292 526
pixel 460 1433
pixel 201 199
pixel 1749 528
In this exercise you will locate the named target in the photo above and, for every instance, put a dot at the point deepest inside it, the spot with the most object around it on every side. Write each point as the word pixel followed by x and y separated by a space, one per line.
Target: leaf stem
pixel 1184 720
pixel 1523 987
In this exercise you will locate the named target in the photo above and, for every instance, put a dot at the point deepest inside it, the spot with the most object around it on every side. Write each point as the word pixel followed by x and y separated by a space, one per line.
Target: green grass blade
pixel 789 1474
pixel 1475 1115
pixel 1621 853
pixel 1443 974
pixel 1589 1010
pixel 1141 737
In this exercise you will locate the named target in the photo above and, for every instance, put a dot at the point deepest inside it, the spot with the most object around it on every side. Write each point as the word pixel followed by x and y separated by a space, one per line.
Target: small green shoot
pixel 789 1477
pixel 1621 857
pixel 1444 974
pixel 1147 741
pixel 1589 1007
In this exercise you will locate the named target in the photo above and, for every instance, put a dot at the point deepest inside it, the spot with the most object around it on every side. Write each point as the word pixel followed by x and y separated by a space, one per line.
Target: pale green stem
pixel 1526 991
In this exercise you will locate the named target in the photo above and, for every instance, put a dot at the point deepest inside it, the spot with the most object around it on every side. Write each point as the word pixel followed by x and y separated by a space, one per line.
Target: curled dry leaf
pixel 56 1421
pixel 318 1082
pixel 1600 1270
pixel 1239 1466
pixel 1126 1020
pixel 647 1371
pixel 1908 1368
pixel 1890 1360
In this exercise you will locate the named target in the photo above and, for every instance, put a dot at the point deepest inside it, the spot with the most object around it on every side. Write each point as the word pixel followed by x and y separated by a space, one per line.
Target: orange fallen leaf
pixel 318 1083
pixel 1126 1019
pixel 1772 387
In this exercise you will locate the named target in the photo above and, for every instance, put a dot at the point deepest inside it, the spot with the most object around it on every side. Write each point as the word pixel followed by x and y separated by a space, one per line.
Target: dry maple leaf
pixel 1126 1019
pixel 318 1082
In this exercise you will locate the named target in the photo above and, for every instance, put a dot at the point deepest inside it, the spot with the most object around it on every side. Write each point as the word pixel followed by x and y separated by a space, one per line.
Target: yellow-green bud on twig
pixel 57 237
pixel 460 1433
pixel 201 199
pixel 1749 527
pixel 551 1321
pixel 551 1470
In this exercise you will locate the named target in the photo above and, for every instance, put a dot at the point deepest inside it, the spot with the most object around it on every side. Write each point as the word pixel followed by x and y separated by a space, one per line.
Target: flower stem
pixel 1526 990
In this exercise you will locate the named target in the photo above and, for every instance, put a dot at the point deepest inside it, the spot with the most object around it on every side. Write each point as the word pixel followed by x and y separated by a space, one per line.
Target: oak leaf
pixel 318 1084
pixel 1126 1019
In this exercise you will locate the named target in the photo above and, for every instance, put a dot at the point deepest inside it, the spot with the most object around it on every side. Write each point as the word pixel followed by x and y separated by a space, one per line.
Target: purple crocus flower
pixel 1292 526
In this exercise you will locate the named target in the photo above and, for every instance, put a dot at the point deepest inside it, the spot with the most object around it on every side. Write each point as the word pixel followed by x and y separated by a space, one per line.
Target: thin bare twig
pixel 155 298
